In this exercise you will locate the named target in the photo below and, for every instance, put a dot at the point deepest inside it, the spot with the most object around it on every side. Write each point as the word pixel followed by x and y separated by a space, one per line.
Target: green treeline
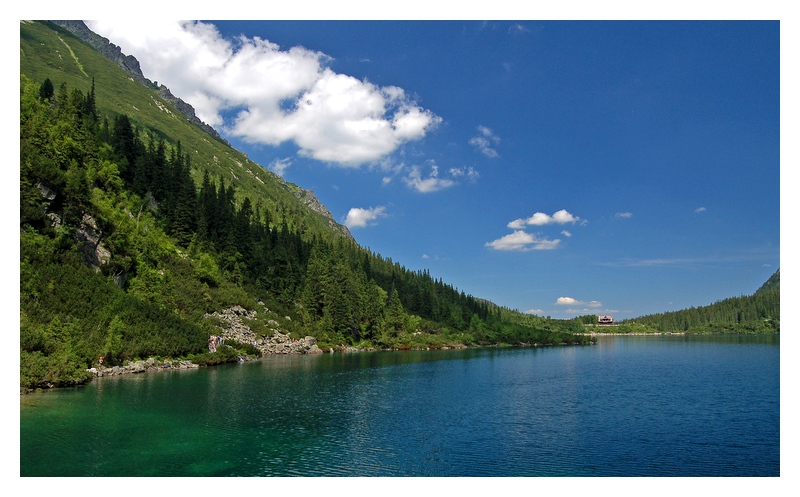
pixel 122 254
pixel 757 313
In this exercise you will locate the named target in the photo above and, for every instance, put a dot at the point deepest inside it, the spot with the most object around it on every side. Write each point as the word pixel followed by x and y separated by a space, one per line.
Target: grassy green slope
pixel 48 51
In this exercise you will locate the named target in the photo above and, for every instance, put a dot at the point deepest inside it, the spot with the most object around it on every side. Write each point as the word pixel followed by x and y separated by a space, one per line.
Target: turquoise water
pixel 629 406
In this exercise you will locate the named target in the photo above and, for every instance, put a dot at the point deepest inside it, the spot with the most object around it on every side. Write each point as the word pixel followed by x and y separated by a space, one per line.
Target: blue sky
pixel 558 168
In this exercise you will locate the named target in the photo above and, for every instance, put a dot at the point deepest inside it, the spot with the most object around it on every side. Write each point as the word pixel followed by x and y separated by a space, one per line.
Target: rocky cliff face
pixel 312 202
pixel 90 237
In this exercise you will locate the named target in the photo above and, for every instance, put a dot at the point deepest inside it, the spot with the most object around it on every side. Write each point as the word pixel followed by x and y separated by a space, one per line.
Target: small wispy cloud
pixel 624 215
pixel 517 29
pixel 591 311
pixel 279 166
pixel 361 218
pixel 566 233
pixel 700 209
pixel 463 172
pixel 484 141
pixel 434 181
pixel 578 306
pixel 391 168
pixel 756 254
pixel 521 241
pixel 572 301
pixel 666 261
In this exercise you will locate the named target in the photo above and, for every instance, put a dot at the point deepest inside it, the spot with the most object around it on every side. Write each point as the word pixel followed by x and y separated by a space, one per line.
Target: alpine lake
pixel 628 406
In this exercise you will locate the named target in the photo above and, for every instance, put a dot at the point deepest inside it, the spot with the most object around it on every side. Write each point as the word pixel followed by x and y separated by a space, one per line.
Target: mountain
pixel 49 50
pixel 756 313
pixel 130 65
pixel 773 283
pixel 142 234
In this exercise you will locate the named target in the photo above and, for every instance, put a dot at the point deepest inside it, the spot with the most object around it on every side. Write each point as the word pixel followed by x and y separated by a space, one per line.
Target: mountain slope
pixel 50 51
pixel 137 228
pixel 130 65
pixel 773 283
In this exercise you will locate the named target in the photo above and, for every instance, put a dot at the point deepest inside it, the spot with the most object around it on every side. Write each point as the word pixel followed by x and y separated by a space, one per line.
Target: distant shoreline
pixel 637 333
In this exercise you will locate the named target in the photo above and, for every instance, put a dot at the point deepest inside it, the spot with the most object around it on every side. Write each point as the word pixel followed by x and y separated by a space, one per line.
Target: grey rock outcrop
pixel 150 364
pixel 234 328
pixel 89 235
pixel 311 201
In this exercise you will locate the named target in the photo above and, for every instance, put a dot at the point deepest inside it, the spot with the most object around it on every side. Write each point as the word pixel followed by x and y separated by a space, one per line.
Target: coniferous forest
pixel 131 233
pixel 173 251
pixel 757 313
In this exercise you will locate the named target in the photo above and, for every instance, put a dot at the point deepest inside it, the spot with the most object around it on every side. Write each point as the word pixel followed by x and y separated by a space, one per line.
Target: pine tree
pixel 46 91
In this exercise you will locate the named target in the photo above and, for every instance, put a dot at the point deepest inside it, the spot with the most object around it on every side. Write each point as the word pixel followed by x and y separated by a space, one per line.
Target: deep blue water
pixel 629 406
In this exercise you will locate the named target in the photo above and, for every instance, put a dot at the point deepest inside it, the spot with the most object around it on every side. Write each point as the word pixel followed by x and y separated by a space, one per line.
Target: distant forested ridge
pixel 773 283
pixel 757 313
pixel 133 230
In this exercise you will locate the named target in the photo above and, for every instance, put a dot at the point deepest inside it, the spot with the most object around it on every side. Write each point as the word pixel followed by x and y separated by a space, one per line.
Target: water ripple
pixel 627 408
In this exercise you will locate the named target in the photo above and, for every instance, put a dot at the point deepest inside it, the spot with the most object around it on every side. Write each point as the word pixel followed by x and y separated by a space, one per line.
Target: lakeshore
pixel 155 364
pixel 428 413
pixel 633 333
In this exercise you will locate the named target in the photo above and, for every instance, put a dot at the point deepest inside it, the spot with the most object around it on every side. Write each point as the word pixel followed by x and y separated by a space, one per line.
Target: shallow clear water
pixel 629 406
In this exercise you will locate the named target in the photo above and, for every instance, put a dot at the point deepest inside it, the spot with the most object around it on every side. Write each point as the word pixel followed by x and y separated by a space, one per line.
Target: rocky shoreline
pixel 151 364
pixel 232 327
pixel 273 344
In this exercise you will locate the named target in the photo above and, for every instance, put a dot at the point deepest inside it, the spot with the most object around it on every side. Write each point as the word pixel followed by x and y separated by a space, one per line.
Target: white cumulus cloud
pixel 360 218
pixel 256 91
pixel 522 241
pixel 541 219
